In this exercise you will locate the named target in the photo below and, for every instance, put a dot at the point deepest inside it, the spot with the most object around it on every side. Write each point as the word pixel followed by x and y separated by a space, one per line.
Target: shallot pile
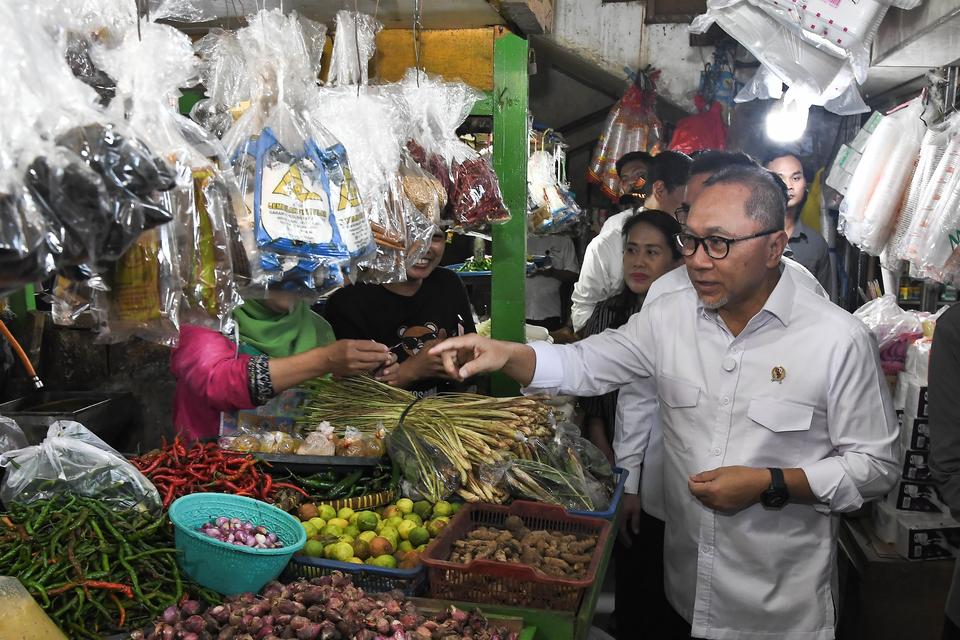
pixel 326 608
pixel 242 534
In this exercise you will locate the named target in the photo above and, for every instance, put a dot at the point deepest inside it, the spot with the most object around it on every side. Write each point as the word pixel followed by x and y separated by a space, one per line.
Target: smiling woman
pixel 431 305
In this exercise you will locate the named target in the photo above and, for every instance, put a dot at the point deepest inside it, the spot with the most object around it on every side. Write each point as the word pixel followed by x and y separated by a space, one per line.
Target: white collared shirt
pixel 757 574
pixel 638 438
pixel 601 275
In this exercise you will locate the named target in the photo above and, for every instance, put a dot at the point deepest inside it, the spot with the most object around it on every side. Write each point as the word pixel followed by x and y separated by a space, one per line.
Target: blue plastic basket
pixel 413 582
pixel 611 510
pixel 224 567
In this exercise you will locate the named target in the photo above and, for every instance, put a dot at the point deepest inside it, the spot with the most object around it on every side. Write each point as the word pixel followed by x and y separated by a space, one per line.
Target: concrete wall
pixel 615 36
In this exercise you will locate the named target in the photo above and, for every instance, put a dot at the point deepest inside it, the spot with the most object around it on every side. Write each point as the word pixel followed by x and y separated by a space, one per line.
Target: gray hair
pixel 768 195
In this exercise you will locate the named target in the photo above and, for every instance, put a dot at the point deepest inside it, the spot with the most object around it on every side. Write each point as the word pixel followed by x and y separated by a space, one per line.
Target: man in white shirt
pixel 638 446
pixel 775 414
pixel 601 275
pixel 543 302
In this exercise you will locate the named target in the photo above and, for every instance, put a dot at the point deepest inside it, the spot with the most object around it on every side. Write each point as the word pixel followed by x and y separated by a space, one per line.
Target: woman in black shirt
pixel 409 317
pixel 649 252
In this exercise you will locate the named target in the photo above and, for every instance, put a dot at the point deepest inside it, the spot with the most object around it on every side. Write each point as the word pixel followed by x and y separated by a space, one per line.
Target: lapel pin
pixel 777 374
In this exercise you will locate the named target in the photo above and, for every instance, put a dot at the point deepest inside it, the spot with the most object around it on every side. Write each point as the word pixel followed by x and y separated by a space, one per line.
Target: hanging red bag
pixel 704 130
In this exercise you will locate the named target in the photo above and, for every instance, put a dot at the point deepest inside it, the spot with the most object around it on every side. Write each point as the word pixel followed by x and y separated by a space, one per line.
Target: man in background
pixel 544 304
pixel 806 245
pixel 601 275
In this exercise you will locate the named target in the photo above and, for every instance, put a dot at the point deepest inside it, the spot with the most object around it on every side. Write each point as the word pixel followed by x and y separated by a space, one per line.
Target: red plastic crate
pixel 509 583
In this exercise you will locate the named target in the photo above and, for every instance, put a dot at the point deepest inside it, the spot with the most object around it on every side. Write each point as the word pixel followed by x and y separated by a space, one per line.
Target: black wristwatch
pixel 776 495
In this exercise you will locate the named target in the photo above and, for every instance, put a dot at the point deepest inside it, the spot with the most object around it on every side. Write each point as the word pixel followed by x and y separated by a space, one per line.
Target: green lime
pixel 313 548
pixel 327 512
pixel 412 517
pixel 443 508
pixel 388 562
pixel 367 521
pixel 419 536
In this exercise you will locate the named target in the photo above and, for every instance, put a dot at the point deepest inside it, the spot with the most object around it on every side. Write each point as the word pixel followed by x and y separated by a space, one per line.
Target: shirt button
pixel 725 401
pixel 706 549
pixel 716 451
pixel 729 364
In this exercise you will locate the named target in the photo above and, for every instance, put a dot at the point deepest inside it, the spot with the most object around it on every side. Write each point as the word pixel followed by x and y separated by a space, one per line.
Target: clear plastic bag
pixel 25 254
pixel 631 125
pixel 551 206
pixel 422 189
pixel 144 292
pixel 69 299
pixel 295 176
pixel 72 459
pixel 11 436
pixel 353 46
pixel 887 321
pixel 428 473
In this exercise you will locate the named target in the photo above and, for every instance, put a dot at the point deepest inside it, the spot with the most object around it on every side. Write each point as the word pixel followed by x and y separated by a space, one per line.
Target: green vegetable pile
pixel 91 569
pixel 472 264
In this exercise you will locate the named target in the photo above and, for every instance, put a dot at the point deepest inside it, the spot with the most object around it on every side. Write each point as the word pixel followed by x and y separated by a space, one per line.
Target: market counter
pixel 884 596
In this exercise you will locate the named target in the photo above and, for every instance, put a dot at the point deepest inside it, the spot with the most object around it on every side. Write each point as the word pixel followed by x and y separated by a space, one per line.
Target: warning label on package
pixel 293 206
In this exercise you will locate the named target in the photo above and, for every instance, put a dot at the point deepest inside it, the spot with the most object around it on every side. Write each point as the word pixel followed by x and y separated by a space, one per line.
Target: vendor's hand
pixel 472 354
pixel 630 524
pixel 729 489
pixel 388 373
pixel 345 358
pixel 420 366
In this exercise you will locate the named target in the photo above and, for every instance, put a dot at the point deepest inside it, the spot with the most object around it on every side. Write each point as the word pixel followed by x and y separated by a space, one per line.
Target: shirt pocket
pixel 680 400
pixel 778 432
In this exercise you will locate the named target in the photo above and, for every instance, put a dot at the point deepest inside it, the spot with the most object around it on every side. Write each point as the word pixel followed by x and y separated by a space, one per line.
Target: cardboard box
pixel 915 466
pixel 914 433
pixel 917 536
pixel 910 495
pixel 915 402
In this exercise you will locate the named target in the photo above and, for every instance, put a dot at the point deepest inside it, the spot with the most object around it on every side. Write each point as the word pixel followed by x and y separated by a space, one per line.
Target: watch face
pixel 774 499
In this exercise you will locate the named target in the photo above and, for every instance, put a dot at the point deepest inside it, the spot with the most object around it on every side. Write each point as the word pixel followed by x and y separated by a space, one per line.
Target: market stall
pixel 349 508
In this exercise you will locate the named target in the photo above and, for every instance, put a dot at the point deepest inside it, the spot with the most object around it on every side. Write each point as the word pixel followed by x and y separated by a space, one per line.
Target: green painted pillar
pixel 510 105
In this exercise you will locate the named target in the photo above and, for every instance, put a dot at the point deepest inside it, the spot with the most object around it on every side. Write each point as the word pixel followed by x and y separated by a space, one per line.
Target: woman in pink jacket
pixel 281 344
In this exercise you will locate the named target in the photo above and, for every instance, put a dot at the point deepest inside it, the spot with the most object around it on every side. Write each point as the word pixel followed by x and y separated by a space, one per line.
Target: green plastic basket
pixel 224 567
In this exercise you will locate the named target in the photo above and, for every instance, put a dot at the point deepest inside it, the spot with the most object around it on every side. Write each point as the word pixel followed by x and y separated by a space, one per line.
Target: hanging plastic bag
pixel 11 436
pixel 705 130
pixel 149 66
pixel 353 46
pixel 308 221
pixel 551 205
pixel 422 189
pixel 631 125
pixel 144 292
pixel 25 254
pixel 72 459
pixel 428 473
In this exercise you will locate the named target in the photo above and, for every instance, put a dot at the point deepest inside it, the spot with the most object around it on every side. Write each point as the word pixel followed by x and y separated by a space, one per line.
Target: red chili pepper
pixel 168 498
pixel 93 584
pixel 267 485
pixel 284 485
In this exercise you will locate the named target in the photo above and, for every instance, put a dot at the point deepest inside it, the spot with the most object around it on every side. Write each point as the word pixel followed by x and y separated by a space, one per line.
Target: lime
pixel 412 517
pixel 422 508
pixel 345 538
pixel 405 528
pixel 332 530
pixel 326 512
pixel 421 548
pixel 437 525
pixel 361 549
pixel 342 551
pixel 393 521
pixel 340 522
pixel 367 536
pixel 405 505
pixel 390 534
pixel 313 548
pixel 456 506
pixel 352 530
pixel 367 521
pixel 355 560
pixel 419 536
pixel 443 508
pixel 318 523
pixel 390 511
pixel 404 546
pixel 345 513
pixel 309 529
pixel 386 561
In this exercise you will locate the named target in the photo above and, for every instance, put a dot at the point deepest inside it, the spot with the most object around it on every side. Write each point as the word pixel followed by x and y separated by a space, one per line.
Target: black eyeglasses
pixel 681 213
pixel 717 247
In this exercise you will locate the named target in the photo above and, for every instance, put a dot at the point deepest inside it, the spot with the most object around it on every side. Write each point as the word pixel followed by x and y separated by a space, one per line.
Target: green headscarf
pixel 278 334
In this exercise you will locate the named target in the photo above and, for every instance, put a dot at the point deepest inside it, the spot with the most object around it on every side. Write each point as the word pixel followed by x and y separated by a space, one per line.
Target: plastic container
pixel 509 583
pixel 21 618
pixel 611 509
pixel 412 582
pixel 227 568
